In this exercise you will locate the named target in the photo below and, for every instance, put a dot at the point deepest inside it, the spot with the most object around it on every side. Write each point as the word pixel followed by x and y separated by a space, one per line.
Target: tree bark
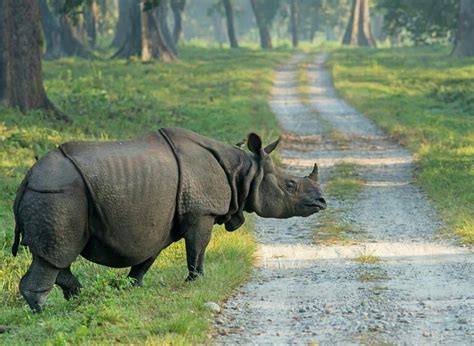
pixel 263 27
pixel 177 7
pixel 358 31
pixel 123 23
pixel 294 22
pixel 229 13
pixel 465 35
pixel 21 79
pixel 161 50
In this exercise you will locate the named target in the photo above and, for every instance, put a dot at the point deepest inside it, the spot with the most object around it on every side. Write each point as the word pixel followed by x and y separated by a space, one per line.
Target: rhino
pixel 120 203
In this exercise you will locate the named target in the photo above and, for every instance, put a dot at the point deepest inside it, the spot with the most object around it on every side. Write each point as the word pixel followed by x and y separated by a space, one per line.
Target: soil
pixel 422 289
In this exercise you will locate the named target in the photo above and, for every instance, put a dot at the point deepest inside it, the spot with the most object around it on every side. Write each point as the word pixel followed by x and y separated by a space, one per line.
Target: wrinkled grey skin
pixel 121 203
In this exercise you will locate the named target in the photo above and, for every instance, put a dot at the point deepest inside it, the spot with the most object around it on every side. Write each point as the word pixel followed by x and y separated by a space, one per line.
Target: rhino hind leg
pixel 137 272
pixel 38 282
pixel 68 283
pixel 197 236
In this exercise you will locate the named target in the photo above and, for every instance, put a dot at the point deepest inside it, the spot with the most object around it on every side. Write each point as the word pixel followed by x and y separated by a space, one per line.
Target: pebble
pixel 214 307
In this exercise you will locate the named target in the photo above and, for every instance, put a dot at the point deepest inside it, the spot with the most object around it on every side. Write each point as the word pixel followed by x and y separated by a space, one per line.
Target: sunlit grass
pixel 217 92
pixel 425 98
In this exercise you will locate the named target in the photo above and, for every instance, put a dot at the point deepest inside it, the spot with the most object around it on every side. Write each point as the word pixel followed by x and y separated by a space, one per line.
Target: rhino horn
pixel 314 175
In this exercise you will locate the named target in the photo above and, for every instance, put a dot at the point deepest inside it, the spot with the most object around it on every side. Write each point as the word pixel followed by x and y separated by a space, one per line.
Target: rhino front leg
pixel 197 236
pixel 68 283
pixel 137 272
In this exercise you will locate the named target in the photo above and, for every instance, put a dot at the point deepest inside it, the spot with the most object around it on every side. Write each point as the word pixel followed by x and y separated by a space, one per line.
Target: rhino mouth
pixel 319 204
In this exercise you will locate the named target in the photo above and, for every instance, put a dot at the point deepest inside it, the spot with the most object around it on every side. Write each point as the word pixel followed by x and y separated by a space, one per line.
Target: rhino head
pixel 277 194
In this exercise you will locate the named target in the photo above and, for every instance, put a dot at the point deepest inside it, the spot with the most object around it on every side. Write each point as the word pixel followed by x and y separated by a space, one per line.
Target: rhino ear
pixel 269 148
pixel 254 143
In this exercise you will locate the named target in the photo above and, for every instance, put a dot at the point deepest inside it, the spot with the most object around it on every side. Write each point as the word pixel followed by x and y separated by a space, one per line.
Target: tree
pixel 162 12
pixel 229 13
pixel 421 21
pixel 294 22
pixel 21 79
pixel 265 11
pixel 91 15
pixel 177 6
pixel 123 23
pixel 62 32
pixel 144 35
pixel 358 31
pixel 465 34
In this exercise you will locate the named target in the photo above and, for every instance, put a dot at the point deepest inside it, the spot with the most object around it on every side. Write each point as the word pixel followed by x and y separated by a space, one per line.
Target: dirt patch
pixel 420 291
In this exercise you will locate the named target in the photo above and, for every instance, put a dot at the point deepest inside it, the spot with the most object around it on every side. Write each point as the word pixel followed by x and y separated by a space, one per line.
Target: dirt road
pixel 422 289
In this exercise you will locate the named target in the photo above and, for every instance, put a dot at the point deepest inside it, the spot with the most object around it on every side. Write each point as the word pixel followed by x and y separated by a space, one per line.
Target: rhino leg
pixel 197 236
pixel 68 283
pixel 137 272
pixel 37 282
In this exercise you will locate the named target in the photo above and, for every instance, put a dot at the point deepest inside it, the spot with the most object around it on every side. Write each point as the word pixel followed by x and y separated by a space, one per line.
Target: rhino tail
pixel 16 205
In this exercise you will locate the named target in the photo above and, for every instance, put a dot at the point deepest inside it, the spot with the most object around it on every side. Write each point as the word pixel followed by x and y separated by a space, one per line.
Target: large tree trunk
pixel 178 8
pixel 229 13
pixel 465 34
pixel 21 80
pixel 263 27
pixel 132 40
pixel 358 32
pixel 124 22
pixel 91 16
pixel 294 22
pixel 145 38
pixel 162 13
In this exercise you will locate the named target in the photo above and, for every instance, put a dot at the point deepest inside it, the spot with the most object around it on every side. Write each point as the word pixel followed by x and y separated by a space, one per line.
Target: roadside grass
pixel 343 185
pixel 303 81
pixel 216 92
pixel 367 258
pixel 376 273
pixel 425 99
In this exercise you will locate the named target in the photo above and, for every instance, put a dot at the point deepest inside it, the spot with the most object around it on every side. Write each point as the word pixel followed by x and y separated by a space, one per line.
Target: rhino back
pixel 133 185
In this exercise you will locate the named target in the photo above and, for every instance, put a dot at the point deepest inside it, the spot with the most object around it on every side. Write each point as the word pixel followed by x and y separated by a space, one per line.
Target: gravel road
pixel 422 290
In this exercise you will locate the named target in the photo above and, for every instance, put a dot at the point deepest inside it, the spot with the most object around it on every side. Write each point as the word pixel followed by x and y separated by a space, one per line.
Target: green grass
pixel 425 99
pixel 345 182
pixel 367 259
pixel 220 93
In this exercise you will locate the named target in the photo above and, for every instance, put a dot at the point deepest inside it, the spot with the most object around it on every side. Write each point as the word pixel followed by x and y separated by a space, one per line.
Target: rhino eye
pixel 291 186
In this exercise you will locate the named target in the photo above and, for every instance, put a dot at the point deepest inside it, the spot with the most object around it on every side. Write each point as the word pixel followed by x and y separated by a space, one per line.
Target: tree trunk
pixel 465 34
pixel 358 32
pixel 263 27
pixel 229 13
pixel 91 16
pixel 132 40
pixel 160 47
pixel 294 22
pixel 178 8
pixel 162 13
pixel 124 22
pixel 50 27
pixel 21 80
pixel 71 38
pixel 145 38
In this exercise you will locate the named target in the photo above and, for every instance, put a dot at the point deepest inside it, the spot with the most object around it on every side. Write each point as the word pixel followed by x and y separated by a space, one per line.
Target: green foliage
pixel 424 98
pixel 424 21
pixel 220 93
